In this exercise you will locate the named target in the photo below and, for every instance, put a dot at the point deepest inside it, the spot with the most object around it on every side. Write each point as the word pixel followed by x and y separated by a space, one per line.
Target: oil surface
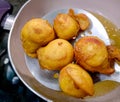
pixel 112 30
pixel 104 87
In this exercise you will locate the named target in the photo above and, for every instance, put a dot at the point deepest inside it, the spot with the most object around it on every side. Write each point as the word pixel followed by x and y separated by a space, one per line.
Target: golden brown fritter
pixel 81 18
pixel 65 26
pixel 56 54
pixel 83 21
pixel 75 81
pixel 35 33
pixel 91 53
pixel 114 52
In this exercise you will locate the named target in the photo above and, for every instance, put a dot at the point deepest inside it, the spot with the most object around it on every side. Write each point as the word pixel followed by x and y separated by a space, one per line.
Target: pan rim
pixel 9 54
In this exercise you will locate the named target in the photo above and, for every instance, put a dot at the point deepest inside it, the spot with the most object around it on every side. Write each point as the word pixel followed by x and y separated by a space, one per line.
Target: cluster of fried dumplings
pixel 51 46
pixel 38 32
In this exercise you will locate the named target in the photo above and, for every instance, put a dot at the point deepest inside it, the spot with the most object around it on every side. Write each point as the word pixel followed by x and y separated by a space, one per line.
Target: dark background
pixel 16 5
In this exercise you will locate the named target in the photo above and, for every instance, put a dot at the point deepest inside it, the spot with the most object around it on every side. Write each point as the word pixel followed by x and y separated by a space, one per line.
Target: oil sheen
pixel 112 30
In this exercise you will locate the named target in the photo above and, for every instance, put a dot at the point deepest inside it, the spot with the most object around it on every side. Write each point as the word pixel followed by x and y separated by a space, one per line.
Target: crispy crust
pixel 91 53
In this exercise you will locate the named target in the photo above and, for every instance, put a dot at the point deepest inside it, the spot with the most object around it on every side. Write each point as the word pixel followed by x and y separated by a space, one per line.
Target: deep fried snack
pixel 83 21
pixel 114 52
pixel 75 81
pixel 57 54
pixel 34 34
pixel 65 26
pixel 30 48
pixel 72 13
pixel 91 53
pixel 81 18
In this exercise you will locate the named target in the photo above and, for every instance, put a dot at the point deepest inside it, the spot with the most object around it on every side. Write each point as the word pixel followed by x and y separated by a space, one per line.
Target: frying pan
pixel 38 8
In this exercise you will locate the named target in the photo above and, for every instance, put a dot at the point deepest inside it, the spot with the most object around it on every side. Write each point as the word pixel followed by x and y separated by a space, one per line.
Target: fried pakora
pixel 75 81
pixel 65 26
pixel 81 18
pixel 91 53
pixel 114 52
pixel 35 33
pixel 55 55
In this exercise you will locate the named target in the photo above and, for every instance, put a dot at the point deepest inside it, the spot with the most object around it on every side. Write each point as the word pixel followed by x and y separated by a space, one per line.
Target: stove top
pixel 11 88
